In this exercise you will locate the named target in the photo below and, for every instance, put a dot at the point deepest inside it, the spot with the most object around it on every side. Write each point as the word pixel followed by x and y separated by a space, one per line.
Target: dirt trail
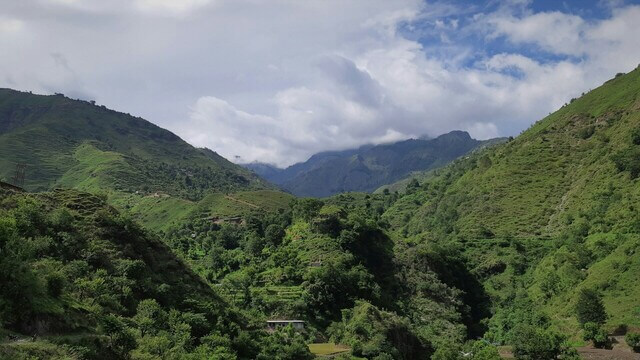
pixel 588 353
pixel 242 202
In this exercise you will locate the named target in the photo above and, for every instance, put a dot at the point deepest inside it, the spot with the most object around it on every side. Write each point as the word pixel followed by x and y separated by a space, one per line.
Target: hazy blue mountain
pixel 368 167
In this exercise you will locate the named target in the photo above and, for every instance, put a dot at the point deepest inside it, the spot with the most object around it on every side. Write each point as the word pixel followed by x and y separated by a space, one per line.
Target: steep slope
pixel 547 214
pixel 74 143
pixel 368 167
pixel 91 284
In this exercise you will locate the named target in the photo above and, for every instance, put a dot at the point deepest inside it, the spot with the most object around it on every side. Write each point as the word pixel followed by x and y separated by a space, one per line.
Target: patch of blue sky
pixel 449 36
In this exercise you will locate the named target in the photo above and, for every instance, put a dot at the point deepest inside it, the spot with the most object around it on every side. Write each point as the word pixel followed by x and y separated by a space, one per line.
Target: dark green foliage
pixel 285 344
pixel 586 132
pixel 635 136
pixel 633 340
pixel 336 286
pixel 628 160
pixel 71 264
pixel 373 333
pixel 595 333
pixel 590 308
pixel 306 209
pixel 534 343
pixel 55 284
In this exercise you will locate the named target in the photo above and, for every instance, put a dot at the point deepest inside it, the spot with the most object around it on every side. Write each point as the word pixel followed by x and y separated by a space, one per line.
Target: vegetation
pixel 531 343
pixel 71 265
pixel 534 243
pixel 74 143
pixel 589 308
pixel 633 340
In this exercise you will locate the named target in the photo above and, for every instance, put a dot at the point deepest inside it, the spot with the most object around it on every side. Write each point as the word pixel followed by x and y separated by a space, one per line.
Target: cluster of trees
pixel 345 272
pixel 82 268
pixel 628 159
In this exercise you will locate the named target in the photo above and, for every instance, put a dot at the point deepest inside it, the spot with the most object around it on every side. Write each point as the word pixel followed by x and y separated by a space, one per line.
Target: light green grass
pixel 324 349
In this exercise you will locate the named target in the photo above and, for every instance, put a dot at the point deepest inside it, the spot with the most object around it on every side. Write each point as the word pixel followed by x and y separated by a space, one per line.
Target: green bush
pixel 628 160
pixel 635 136
pixel 633 340
pixel 595 333
pixel 586 132
pixel 534 343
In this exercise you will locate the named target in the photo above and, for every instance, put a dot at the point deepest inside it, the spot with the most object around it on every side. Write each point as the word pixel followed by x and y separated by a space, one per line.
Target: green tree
pixel 285 344
pixel 55 284
pixel 482 350
pixel 590 308
pixel 149 317
pixel 121 340
pixel 274 234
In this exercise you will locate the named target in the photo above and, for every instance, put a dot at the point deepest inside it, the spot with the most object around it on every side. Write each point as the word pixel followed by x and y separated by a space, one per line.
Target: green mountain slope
pixel 143 169
pixel 547 214
pixel 73 143
pixel 92 284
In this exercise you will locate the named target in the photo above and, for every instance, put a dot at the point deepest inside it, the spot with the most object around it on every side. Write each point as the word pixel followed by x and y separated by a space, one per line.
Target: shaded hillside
pixel 74 143
pixel 367 168
pixel 546 215
pixel 92 284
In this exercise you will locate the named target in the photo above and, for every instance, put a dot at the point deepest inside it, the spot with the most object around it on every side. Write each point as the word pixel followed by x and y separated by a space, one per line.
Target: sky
pixel 276 81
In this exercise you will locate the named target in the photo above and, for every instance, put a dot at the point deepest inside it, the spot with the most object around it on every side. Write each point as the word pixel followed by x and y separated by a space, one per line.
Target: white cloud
pixel 10 25
pixel 555 32
pixel 278 81
pixel 170 7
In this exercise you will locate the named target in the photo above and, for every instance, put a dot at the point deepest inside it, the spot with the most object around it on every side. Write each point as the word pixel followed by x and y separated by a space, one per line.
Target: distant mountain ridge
pixel 367 167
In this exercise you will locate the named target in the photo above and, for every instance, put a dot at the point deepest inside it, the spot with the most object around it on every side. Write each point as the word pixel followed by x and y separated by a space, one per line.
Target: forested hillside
pixel 368 167
pixel 83 281
pixel 547 215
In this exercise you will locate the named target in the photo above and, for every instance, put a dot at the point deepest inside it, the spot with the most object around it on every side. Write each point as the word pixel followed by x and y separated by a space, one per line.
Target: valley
pixel 130 243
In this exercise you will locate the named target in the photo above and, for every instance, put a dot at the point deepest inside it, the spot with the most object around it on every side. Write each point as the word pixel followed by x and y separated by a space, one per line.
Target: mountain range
pixel 368 167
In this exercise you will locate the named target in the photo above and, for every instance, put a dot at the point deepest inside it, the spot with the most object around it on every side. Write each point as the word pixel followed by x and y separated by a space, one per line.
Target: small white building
pixel 274 324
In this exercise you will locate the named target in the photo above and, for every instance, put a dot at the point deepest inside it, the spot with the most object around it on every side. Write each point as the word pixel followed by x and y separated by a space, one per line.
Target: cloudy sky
pixel 278 80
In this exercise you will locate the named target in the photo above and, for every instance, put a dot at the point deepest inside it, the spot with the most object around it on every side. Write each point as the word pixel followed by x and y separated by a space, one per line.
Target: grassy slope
pixel 51 135
pixel 137 165
pixel 553 178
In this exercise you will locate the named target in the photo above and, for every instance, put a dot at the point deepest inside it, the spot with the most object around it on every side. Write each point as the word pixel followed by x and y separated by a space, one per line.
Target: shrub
pixel 635 136
pixel 586 132
pixel 595 333
pixel 628 160
pixel 482 350
pixel 534 343
pixel 633 340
